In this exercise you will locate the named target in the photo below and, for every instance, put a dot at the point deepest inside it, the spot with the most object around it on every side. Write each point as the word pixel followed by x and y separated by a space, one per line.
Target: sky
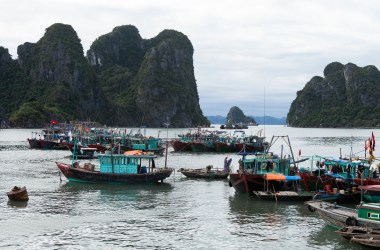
pixel 253 54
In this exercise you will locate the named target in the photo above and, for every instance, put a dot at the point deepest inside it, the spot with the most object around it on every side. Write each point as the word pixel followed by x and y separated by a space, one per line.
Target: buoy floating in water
pixel 18 194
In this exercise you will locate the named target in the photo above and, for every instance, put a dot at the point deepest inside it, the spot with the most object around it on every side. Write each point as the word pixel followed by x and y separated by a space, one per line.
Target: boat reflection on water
pixel 77 187
pixel 324 235
pixel 138 196
pixel 17 204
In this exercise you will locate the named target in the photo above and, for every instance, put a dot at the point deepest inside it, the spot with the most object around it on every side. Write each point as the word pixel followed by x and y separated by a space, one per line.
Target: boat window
pixel 373 215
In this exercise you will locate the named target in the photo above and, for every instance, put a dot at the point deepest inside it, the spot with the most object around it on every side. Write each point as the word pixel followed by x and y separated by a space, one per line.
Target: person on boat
pixel 373 169
pixel 269 166
pixel 227 164
pixel 241 166
pixel 317 164
pixel 348 171
pixel 335 168
pixel 360 171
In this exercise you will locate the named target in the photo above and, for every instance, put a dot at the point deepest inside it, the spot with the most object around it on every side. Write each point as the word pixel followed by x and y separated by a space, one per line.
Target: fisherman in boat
pixel 335 168
pixel 348 170
pixel 360 171
pixel 241 166
pixel 373 169
pixel 227 164
pixel 269 166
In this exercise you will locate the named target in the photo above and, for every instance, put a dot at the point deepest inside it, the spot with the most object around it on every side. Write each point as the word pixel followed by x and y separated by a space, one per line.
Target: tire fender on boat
pixel 230 183
pixel 311 209
pixel 351 221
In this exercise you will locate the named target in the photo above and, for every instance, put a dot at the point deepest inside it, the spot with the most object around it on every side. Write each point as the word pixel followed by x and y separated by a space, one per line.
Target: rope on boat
pixel 274 192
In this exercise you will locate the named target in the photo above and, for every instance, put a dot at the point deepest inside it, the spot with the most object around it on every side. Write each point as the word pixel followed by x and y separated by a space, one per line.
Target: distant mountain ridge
pixel 269 120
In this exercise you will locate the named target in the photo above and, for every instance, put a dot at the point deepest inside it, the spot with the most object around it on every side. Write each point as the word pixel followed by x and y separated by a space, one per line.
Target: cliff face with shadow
pixel 124 80
pixel 347 96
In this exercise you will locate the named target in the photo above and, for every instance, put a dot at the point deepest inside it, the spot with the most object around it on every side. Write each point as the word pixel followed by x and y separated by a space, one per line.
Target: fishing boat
pixel 350 231
pixel 128 168
pixel 18 194
pixel 371 193
pixel 372 240
pixel 204 173
pixel 366 214
pixel 291 193
pixel 253 167
pixel 337 173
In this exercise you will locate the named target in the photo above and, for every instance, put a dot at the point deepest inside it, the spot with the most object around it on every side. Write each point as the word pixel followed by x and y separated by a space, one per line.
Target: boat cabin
pixel 269 163
pixel 127 164
pixel 370 211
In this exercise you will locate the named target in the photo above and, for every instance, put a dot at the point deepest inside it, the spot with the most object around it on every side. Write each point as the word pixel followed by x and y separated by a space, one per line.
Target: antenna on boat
pixel 264 111
pixel 167 124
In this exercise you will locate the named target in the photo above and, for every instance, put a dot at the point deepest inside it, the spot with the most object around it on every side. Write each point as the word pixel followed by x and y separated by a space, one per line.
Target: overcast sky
pixel 247 53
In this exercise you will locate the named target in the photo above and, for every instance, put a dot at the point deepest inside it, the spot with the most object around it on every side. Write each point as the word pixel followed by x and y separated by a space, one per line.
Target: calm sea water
pixel 179 214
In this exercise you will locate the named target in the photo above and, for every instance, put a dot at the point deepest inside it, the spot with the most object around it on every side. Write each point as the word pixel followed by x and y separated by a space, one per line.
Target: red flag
pixel 368 144
pixel 373 141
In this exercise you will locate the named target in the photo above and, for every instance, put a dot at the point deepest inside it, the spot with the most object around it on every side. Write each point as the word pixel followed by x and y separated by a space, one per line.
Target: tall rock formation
pixel 347 96
pixel 236 116
pixel 124 81
pixel 63 85
pixel 148 82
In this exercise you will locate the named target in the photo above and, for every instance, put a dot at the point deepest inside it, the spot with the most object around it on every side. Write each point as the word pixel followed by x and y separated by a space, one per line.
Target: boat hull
pixel 283 196
pixel 339 216
pixel 202 174
pixel 180 146
pixel 246 183
pixel 83 175
pixel 34 143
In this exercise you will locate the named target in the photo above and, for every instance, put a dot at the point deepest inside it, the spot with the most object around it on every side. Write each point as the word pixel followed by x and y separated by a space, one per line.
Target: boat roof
pixel 280 177
pixel 370 187
pixel 143 156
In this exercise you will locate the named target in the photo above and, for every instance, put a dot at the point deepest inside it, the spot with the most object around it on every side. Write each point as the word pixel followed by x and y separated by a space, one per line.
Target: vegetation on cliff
pixel 124 81
pixel 236 116
pixel 347 96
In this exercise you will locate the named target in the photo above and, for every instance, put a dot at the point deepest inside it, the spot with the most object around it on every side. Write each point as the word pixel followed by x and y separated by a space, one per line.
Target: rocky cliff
pixel 347 96
pixel 236 116
pixel 148 81
pixel 124 81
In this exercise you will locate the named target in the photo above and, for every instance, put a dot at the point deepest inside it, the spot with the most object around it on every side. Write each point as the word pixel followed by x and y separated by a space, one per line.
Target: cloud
pixel 242 48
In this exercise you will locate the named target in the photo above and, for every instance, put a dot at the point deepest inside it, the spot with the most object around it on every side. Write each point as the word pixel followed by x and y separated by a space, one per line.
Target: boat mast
pixel 167 142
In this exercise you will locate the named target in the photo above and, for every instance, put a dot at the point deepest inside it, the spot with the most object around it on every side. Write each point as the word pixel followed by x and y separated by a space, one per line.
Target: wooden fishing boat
pixel 34 143
pixel 341 196
pixel 283 195
pixel 180 145
pixel 366 214
pixel 127 168
pixel 204 173
pixel 253 168
pixel 371 193
pixel 18 194
pixel 351 231
pixel 372 240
